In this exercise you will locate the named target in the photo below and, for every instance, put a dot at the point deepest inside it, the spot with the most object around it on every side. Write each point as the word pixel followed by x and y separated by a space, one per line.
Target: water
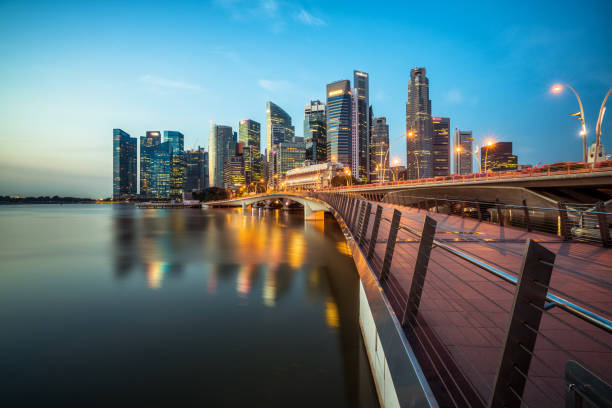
pixel 112 305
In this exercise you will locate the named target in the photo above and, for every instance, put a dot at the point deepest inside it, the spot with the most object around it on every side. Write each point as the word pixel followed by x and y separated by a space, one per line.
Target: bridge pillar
pixel 310 215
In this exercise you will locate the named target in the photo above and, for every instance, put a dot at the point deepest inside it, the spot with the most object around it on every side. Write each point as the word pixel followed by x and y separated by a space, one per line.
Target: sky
pixel 70 72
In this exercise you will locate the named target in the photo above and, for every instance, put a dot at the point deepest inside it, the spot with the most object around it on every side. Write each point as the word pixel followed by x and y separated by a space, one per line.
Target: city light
pixel 557 88
pixel 458 149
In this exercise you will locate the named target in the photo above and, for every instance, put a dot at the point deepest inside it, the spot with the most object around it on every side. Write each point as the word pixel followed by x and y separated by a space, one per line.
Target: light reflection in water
pixel 331 313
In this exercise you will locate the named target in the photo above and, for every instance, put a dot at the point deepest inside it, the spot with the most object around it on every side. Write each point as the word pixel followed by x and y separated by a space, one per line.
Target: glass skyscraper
pixel 362 126
pixel 279 127
pixel 124 164
pixel 196 174
pixel 441 146
pixel 339 122
pixel 147 146
pixel 177 170
pixel 462 139
pixel 419 132
pixel 379 150
pixel 221 145
pixel 249 133
pixel 161 166
pixel 315 131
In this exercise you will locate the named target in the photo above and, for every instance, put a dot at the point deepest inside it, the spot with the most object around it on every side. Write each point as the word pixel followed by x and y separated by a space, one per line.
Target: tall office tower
pixel 379 150
pixel 498 157
pixel 279 127
pixel 221 145
pixel 233 168
pixel 315 131
pixel 161 171
pixel 177 171
pixel 361 85
pixel 418 126
pixel 339 122
pixel 196 174
pixel 462 139
pixel 441 146
pixel 249 133
pixel 355 135
pixel 147 145
pixel 124 164
pixel 288 156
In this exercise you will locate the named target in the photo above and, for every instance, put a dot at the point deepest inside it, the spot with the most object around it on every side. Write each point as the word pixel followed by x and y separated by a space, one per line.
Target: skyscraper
pixel 221 145
pixel 124 164
pixel 462 139
pixel 362 95
pixel 441 146
pixel 339 130
pixel 288 156
pixel 161 168
pixel 147 145
pixel 233 168
pixel 418 126
pixel 379 150
pixel 177 170
pixel 249 133
pixel 196 175
pixel 498 157
pixel 279 127
pixel 315 131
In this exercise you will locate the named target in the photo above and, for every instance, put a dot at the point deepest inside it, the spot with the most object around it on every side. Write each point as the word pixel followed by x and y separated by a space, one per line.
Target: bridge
pixel 464 310
pixel 313 209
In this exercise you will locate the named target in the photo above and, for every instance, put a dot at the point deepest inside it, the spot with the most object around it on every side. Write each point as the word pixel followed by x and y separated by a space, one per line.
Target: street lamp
pixel 602 111
pixel 347 175
pixel 489 143
pixel 557 89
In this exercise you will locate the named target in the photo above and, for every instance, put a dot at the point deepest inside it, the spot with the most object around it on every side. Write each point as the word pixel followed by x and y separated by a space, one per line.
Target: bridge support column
pixel 310 215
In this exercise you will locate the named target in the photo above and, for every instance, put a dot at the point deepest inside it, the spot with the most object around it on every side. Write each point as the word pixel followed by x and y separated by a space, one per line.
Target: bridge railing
pixel 486 336
pixel 571 221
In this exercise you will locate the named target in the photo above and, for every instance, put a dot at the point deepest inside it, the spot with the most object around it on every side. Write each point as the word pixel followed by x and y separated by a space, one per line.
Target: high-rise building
pixel 233 168
pixel 339 129
pixel 315 131
pixel 361 95
pixel 249 133
pixel 279 127
pixel 441 146
pixel 288 155
pixel 221 145
pixel 462 139
pixel 498 157
pixel 161 170
pixel 177 171
pixel 196 177
pixel 379 150
pixel 124 164
pixel 147 146
pixel 418 126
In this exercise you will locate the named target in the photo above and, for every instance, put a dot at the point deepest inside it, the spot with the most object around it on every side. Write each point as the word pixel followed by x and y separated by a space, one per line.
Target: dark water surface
pixel 112 305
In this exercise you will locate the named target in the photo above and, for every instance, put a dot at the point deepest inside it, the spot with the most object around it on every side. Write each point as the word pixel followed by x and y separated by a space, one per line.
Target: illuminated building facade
pixel 441 146
pixel 288 156
pixel 279 127
pixel 315 131
pixel 161 166
pixel 233 172
pixel 419 137
pixel 221 145
pixel 249 133
pixel 462 139
pixel 124 164
pixel 360 126
pixel 498 157
pixel 177 170
pixel 196 172
pixel 314 176
pixel 379 150
pixel 148 143
pixel 339 129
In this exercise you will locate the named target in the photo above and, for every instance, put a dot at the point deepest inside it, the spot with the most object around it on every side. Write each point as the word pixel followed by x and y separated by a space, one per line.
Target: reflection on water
pixel 214 307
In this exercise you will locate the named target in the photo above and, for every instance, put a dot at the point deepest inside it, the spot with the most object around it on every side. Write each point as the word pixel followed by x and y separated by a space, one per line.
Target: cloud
pixel 454 96
pixel 308 19
pixel 275 85
pixel 168 83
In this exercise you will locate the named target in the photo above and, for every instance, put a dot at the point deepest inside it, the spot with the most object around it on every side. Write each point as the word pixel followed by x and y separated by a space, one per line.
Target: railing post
pixel 362 208
pixel 565 231
pixel 365 223
pixel 393 228
pixel 500 218
pixel 355 215
pixel 374 235
pixel 347 219
pixel 461 208
pixel 603 224
pixel 420 270
pixel 479 208
pixel 436 205
pixel 526 212
pixel 525 317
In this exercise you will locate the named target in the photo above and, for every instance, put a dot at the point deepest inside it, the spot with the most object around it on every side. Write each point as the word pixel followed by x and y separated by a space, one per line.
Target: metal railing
pixel 485 335
pixel 571 221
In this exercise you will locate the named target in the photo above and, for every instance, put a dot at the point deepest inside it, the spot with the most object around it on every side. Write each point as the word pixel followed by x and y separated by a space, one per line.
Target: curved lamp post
pixel 489 143
pixel 557 89
pixel 602 112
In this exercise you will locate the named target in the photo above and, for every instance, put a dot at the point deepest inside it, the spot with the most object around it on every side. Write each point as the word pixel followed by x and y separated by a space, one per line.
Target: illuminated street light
pixel 489 143
pixel 557 89
pixel 602 112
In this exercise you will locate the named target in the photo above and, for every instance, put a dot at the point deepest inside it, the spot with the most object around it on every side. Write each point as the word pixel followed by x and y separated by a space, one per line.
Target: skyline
pixel 76 72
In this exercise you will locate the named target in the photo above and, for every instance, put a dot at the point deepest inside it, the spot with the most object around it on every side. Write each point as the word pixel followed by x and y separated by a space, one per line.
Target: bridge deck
pixel 464 311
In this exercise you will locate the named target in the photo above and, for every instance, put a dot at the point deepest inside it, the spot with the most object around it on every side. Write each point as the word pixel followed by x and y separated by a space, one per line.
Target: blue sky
pixel 70 72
